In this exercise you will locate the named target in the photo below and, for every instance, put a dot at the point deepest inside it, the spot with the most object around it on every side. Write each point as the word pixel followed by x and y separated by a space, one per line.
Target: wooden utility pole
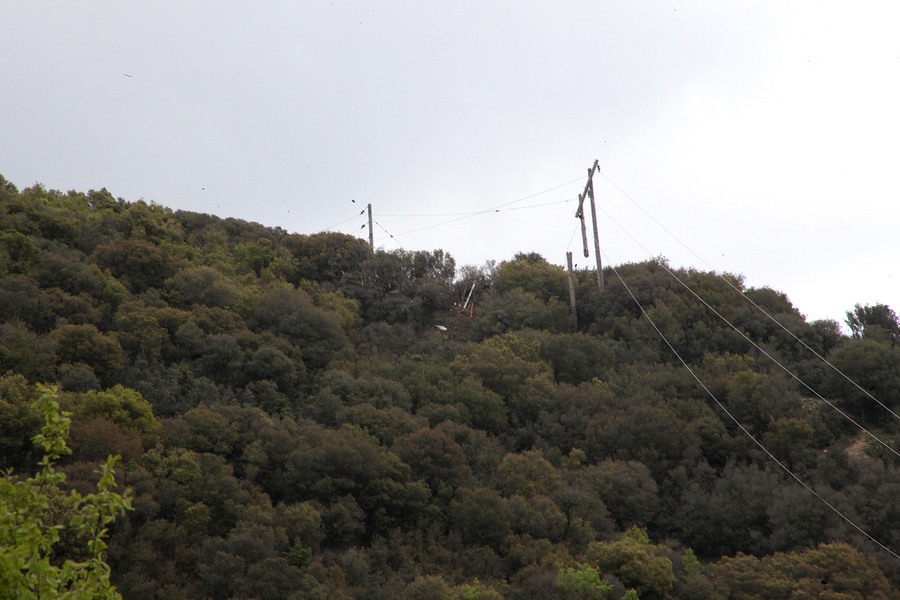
pixel 371 234
pixel 580 215
pixel 572 291
pixel 590 188
pixel 589 193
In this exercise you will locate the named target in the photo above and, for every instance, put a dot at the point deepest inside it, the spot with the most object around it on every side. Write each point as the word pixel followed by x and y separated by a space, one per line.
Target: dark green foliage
pixel 640 565
pixel 829 331
pixel 527 474
pixel 401 287
pixel 21 299
pixel 829 571
pixel 511 367
pixel 291 313
pixel 517 309
pixel 730 514
pixel 481 516
pixel 627 490
pixel 138 264
pixel 17 252
pixel 19 422
pixel 434 458
pixel 350 465
pixel 203 285
pixel 531 273
pixel 386 424
pixel 86 345
pixel 69 271
pixel 879 322
pixel 875 367
pixel 295 425
pixel 26 352
pixel 653 435
pixel 325 257
pixel 578 357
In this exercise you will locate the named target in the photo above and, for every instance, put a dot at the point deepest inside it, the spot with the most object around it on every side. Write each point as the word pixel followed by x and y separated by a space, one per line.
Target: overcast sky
pixel 764 137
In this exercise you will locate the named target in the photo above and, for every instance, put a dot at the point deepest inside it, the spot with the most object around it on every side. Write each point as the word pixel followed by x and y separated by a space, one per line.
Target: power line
pixel 754 344
pixel 389 234
pixel 555 187
pixel 478 212
pixel 464 216
pixel 494 209
pixel 572 237
pixel 345 220
pixel 751 301
pixel 530 206
pixel 743 429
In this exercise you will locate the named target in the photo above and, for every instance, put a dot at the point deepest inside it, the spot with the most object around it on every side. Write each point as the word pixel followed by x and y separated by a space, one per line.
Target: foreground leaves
pixel 35 515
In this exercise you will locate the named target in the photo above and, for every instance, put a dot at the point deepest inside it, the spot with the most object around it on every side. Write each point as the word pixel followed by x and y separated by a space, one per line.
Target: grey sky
pixel 764 135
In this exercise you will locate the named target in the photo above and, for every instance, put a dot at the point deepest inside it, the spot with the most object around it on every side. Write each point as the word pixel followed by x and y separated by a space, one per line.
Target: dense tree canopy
pixel 299 416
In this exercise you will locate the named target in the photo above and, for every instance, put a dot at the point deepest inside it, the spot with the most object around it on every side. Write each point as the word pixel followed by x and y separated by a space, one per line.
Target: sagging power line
pixel 746 432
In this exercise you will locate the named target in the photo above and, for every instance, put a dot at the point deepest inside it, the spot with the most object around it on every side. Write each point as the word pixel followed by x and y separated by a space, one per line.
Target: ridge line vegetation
pixel 291 423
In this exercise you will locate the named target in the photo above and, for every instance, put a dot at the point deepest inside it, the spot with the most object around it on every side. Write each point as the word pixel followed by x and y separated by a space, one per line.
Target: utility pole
pixel 589 193
pixel 371 234
pixel 590 189
pixel 572 292
pixel 580 215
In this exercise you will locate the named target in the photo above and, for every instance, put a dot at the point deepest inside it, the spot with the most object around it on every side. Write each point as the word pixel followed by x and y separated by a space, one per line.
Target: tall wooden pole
pixel 572 291
pixel 594 219
pixel 589 193
pixel 371 234
pixel 580 215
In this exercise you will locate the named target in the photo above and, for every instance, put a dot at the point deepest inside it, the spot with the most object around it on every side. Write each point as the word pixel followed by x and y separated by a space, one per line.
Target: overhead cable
pixel 754 344
pixel 345 220
pixel 755 304
pixel 391 235
pixel 493 209
pixel 477 212
pixel 744 429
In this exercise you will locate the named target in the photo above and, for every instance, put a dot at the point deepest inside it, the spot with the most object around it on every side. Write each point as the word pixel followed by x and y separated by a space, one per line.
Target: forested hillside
pixel 299 417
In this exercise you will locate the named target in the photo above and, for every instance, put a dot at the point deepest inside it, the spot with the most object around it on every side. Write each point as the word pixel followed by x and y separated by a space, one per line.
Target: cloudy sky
pixel 752 137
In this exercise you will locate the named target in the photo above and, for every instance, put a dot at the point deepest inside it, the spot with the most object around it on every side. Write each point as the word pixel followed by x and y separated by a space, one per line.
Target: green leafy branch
pixel 29 533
